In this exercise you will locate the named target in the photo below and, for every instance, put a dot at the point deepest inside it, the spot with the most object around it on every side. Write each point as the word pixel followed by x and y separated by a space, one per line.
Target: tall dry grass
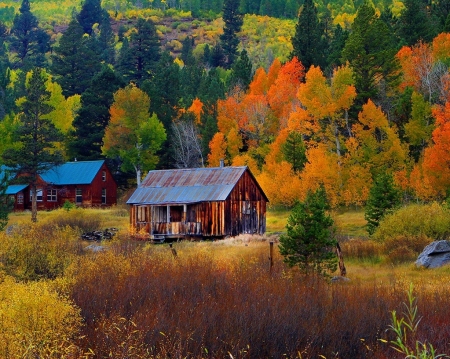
pixel 219 301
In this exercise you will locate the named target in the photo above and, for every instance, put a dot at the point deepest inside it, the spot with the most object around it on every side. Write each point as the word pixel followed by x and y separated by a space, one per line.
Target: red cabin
pixel 85 183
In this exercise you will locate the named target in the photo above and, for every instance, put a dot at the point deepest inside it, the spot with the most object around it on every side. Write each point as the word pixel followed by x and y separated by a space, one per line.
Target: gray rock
pixel 95 248
pixel 340 279
pixel 435 255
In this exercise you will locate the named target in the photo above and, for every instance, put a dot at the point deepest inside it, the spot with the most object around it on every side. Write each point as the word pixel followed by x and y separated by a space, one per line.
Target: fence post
pixel 271 257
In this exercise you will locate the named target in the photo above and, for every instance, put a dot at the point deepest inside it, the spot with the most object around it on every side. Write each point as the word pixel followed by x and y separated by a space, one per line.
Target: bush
pixel 184 26
pixel 429 220
pixel 35 322
pixel 38 251
pixel 79 219
pixel 362 250
pixel 402 248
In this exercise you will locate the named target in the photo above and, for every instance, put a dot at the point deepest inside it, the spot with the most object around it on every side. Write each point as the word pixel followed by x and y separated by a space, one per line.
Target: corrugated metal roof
pixel 190 185
pixel 15 188
pixel 78 172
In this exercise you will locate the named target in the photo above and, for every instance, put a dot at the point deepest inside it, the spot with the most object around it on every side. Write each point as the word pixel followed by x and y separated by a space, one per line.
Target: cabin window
pixel 38 195
pixel 78 195
pixel 246 207
pixel 20 199
pixel 103 195
pixel 104 176
pixel 52 195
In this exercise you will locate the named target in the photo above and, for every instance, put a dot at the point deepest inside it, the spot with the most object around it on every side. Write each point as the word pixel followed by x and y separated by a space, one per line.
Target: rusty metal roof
pixel 190 185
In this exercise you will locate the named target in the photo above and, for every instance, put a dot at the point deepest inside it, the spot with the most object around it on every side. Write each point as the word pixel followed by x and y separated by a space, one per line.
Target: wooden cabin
pixel 198 202
pixel 84 183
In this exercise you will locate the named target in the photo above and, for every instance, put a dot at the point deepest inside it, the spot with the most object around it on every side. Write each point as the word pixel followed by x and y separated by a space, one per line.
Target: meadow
pixel 214 299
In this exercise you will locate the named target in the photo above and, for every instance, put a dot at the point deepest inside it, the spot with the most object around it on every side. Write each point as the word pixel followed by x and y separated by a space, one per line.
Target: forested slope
pixel 335 95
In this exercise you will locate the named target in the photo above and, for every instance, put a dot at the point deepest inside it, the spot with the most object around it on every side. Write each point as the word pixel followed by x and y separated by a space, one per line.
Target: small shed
pixel 198 202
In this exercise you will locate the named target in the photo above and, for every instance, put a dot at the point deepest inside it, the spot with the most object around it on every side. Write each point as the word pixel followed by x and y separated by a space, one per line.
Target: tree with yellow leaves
pixel 133 135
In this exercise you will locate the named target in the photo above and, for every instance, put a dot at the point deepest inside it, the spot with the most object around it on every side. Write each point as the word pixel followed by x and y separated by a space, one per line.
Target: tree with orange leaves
pixel 422 70
pixel 436 162
pixel 282 95
pixel 217 149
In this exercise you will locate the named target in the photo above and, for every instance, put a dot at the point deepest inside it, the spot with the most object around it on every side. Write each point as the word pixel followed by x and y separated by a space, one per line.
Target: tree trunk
pixel 33 203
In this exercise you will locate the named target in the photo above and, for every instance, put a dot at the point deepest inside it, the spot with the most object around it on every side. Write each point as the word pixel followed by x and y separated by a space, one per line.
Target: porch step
pixel 159 238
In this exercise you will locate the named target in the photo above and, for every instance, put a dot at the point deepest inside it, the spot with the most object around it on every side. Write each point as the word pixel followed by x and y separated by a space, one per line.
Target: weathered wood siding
pixel 244 211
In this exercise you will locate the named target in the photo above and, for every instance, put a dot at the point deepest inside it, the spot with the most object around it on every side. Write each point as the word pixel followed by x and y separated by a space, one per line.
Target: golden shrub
pixel 35 322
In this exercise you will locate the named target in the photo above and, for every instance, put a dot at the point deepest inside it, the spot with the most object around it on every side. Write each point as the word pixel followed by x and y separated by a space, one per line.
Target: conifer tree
pixel 27 41
pixel 36 136
pixel 164 91
pixel 91 13
pixel 308 42
pixel 414 23
pixel 384 197
pixel 93 116
pixel 186 51
pixel 106 40
pixel 138 60
pixel 309 237
pixel 233 22
pixel 217 56
pixel 6 204
pixel 75 61
pixel 294 151
pixel 242 71
pixel 6 98
pixel 370 50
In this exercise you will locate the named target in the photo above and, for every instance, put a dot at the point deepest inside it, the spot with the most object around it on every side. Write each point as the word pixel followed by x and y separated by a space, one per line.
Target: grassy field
pixel 218 299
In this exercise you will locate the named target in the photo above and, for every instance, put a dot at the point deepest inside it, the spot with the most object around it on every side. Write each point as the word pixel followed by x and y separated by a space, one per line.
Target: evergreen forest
pixel 305 93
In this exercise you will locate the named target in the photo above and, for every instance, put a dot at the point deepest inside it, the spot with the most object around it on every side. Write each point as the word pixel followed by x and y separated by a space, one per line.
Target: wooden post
pixel 271 256
pixel 342 268
pixel 174 252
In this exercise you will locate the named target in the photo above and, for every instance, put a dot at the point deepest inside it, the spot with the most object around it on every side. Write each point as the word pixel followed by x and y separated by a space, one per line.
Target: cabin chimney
pixel 221 163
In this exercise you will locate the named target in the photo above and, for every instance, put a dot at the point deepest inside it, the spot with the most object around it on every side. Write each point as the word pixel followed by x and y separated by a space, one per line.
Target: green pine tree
pixel 106 40
pixel 91 13
pixel 137 60
pixel 164 92
pixel 28 43
pixel 190 77
pixel 233 20
pixel 370 50
pixel 6 205
pixel 384 197
pixel 309 239
pixel 86 139
pixel 36 136
pixel 242 71
pixel 75 61
pixel 308 41
pixel 294 151
pixel 415 23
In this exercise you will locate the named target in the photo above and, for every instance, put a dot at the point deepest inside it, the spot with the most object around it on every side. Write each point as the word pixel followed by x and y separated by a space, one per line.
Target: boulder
pixel 435 255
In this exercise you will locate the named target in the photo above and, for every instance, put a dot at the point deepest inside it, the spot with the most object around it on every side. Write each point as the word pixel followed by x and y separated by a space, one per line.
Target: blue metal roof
pixel 190 185
pixel 78 172
pixel 15 188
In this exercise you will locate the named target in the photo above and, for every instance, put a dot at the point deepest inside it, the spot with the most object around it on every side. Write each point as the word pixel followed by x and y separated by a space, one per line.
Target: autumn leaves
pixel 345 148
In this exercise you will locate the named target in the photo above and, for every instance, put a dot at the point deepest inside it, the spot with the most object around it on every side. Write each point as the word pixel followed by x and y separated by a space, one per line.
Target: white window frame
pixel 20 198
pixel 52 195
pixel 78 195
pixel 104 176
pixel 39 195
pixel 103 195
